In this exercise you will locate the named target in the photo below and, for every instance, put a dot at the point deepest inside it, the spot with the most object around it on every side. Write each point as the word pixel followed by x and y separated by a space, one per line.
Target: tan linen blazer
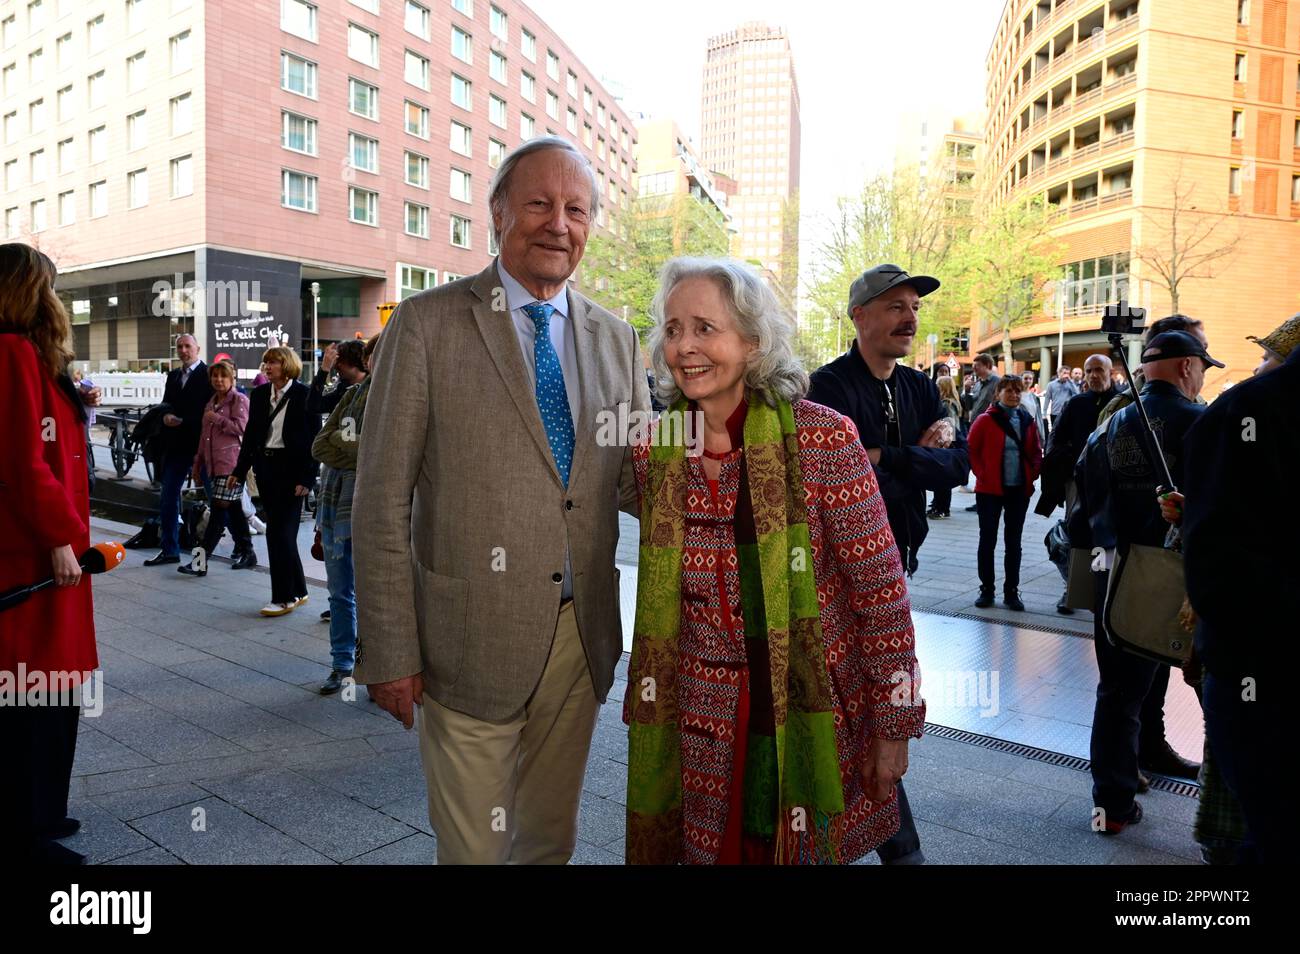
pixel 460 519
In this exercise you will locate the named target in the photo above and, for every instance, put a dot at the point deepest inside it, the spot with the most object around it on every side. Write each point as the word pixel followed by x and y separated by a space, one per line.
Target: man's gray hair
pixel 1103 358
pixel 500 186
pixel 773 369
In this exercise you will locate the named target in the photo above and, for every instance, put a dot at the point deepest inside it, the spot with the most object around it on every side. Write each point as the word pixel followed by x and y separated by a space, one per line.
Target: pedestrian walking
pixel 941 503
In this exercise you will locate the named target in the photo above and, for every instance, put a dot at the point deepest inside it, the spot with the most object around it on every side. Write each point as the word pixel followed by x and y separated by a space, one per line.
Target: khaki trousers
pixel 507 792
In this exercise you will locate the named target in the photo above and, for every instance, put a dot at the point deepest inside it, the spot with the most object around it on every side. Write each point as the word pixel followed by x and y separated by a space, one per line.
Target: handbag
pixel 1144 604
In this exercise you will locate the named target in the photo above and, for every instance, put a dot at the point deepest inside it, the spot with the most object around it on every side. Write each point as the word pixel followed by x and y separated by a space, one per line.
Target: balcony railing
pixel 1095 204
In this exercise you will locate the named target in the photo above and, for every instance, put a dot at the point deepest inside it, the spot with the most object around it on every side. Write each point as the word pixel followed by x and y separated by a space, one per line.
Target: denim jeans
pixel 174 471
pixel 343 598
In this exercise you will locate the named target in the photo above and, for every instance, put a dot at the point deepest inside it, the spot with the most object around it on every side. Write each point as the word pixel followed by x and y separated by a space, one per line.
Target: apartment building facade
pixel 751 134
pixel 194 165
pixel 668 165
pixel 1130 117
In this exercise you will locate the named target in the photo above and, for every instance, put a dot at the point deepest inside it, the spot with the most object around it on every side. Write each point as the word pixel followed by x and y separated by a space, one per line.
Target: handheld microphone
pixel 100 558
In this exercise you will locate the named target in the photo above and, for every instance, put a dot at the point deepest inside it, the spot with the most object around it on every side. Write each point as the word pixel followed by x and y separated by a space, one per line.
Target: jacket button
pixel 557 577
pixel 568 505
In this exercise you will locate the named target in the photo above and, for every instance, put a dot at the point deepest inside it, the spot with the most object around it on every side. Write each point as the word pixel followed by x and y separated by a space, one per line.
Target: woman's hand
pixel 1171 507
pixel 231 482
pixel 883 767
pixel 300 491
pixel 67 571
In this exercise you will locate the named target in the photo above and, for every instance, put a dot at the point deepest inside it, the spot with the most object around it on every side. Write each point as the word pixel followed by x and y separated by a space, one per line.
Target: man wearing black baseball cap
pixel 904 427
pixel 1119 477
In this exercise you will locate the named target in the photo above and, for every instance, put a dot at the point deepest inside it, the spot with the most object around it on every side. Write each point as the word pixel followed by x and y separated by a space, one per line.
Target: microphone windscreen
pixel 102 557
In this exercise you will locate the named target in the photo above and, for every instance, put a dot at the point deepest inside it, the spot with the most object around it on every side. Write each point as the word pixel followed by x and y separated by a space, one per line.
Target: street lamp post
pixel 315 312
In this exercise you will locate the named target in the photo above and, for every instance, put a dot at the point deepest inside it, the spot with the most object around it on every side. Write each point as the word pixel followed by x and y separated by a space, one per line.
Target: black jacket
pixel 1240 555
pixel 318 402
pixel 1126 474
pixel 904 473
pixel 1077 421
pixel 186 403
pixel 300 428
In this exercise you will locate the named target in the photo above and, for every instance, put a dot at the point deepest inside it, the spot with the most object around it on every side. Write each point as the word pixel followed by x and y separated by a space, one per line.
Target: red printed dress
pixel 866 629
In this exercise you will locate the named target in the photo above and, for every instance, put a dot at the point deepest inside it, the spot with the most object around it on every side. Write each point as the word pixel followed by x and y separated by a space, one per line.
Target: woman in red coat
pixel 1006 454
pixel 47 642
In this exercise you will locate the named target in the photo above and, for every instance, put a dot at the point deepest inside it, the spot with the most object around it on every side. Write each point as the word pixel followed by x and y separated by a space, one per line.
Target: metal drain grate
pixel 1159 783
pixel 975 617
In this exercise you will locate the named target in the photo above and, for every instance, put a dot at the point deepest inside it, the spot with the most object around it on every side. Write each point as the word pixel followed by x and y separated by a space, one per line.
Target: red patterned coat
pixel 866 629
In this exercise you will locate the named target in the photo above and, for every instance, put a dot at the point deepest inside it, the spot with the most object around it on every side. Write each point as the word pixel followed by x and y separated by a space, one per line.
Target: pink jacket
pixel 220 438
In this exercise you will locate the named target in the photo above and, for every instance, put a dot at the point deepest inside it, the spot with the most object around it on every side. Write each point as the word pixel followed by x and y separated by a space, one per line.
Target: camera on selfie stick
pixel 1116 322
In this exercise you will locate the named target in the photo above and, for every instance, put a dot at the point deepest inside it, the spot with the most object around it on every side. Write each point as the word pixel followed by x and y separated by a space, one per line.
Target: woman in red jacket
pixel 1006 454
pixel 49 640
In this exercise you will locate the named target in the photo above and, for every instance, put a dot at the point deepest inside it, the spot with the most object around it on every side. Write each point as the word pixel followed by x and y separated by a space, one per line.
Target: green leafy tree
pixel 620 269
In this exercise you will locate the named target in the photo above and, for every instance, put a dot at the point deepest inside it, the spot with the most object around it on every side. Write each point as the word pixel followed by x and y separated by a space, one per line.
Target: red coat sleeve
pixel 29 490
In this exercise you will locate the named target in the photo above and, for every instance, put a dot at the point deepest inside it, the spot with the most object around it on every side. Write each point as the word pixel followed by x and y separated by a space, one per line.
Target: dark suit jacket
pixel 300 427
pixel 187 403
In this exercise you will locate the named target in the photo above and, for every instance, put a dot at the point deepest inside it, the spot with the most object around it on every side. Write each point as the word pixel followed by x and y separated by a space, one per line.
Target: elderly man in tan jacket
pixel 486 517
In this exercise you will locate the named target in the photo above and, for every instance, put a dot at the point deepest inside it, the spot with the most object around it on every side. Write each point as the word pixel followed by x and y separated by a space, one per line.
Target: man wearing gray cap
pixel 904 427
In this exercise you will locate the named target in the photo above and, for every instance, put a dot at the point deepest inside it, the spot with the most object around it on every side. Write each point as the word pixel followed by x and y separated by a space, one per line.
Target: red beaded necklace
pixel 719 455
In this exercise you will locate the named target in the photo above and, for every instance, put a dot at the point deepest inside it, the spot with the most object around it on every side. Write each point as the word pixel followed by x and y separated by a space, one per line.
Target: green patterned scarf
pixel 792 788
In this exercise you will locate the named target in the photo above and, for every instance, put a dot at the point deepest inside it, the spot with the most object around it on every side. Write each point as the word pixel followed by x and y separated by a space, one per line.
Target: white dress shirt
pixel 275 436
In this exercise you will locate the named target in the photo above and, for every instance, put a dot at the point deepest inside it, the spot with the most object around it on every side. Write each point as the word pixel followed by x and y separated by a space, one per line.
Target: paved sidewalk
pixel 214 747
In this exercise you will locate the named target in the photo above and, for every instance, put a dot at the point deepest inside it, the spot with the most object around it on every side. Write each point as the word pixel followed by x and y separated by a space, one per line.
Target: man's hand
pixel 91 396
pixel 300 491
pixel 329 357
pixel 939 434
pixel 399 697
pixel 873 455
pixel 1171 507
pixel 883 767
pixel 171 420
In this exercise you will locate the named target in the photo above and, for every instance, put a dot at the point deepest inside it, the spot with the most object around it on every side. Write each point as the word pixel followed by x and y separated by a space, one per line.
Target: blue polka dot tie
pixel 552 399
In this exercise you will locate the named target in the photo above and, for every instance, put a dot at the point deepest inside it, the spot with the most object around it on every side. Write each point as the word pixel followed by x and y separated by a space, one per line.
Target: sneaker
pixel 1116 825
pixel 984 600
pixel 256 525
pixel 278 609
pixel 299 601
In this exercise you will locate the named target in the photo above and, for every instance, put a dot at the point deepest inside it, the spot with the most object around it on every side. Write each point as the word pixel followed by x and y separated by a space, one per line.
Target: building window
pixel 298 133
pixel 363 152
pixel 363 98
pixel 8 84
pixel 493 247
pixel 182 176
pixel 98 199
pixel 181 52
pixel 1295 188
pixel 500 25
pixel 37 211
pixel 600 146
pixel 137 188
pixel 37 166
pixel 97 144
pixel 527 86
pixel 11 175
pixel 1243 12
pixel 370 5
pixel 600 113
pixel 552 66
pixel 461 91
pixel 1239 72
pixel 135 72
pixel 299 18
pixel 65 156
pixel 497 68
pixel 63 103
pixel 417 120
pixel 417 70
pixel 1234 181
pixel 464 6
pixel 11 223
pixel 417 220
pixel 417 19
pixel 460 185
pixel 363 45
pixel 571 84
pixel 96 35
pixel 460 227
pixel 10 28
pixel 298 191
pixel 137 131
pixel 496 110
pixel 298 75
pixel 496 153
pixel 1238 124
pixel 586 134
pixel 571 121
pixel 552 105
pixel 527 127
pixel 36 66
pixel 95 90
pixel 461 140
pixel 528 45
pixel 413 279
pixel 586 100
pixel 462 45
pixel 135 16
pixel 36 116
pixel 417 170
pixel 363 206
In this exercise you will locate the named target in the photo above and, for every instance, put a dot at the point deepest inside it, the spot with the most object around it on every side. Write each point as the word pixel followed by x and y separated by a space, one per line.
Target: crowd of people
pixel 773 688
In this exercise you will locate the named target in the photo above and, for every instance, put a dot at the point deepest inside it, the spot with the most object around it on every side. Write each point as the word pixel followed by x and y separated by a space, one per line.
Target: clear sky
pixel 860 65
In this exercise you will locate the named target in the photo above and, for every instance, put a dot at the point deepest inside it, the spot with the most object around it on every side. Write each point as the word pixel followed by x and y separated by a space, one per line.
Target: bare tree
pixel 1188 241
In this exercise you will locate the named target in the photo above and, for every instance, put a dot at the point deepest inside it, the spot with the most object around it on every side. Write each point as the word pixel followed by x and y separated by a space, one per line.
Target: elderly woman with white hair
pixel 773 685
